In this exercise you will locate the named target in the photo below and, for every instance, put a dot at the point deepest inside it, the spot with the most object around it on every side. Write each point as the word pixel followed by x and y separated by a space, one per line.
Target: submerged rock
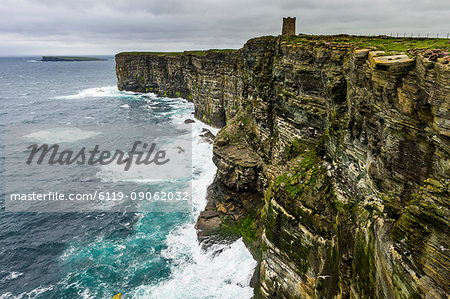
pixel 207 135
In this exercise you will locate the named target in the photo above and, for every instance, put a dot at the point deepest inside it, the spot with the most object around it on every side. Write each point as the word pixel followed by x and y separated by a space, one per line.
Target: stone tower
pixel 288 26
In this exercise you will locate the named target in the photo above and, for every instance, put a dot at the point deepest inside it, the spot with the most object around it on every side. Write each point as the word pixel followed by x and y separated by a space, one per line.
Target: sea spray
pixel 100 254
pixel 223 271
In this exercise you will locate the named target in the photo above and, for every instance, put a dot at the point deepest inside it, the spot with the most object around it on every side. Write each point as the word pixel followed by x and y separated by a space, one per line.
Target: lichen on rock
pixel 333 160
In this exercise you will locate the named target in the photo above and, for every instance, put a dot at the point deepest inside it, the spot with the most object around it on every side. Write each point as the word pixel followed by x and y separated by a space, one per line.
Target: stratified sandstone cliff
pixel 333 162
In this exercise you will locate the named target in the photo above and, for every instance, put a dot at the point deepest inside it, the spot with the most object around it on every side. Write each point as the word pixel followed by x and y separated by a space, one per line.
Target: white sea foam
pixel 14 275
pixel 35 293
pixel 61 134
pixel 224 271
pixel 97 92
pixel 204 274
pixel 195 273
pixel 106 92
pixel 11 275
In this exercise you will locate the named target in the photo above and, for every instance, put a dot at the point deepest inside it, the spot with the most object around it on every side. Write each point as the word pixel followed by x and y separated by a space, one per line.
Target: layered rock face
pixel 333 162
pixel 209 80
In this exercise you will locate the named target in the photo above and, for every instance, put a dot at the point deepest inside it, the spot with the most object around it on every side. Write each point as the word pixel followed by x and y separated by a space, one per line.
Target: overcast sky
pixel 104 27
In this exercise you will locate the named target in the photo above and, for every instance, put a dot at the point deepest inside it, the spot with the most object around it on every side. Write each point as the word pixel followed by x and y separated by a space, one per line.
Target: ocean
pixel 100 254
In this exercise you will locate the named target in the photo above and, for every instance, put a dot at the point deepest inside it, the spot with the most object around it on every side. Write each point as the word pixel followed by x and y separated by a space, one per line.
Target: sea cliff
pixel 333 160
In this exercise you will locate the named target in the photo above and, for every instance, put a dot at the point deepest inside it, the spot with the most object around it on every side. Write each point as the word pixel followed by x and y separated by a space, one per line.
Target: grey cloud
pixel 106 27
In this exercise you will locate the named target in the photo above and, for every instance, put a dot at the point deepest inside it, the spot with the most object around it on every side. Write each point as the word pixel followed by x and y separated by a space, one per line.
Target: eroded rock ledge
pixel 333 162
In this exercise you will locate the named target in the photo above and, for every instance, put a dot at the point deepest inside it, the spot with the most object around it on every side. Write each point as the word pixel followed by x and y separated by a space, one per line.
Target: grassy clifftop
pixel 439 47
pixel 408 45
pixel 193 52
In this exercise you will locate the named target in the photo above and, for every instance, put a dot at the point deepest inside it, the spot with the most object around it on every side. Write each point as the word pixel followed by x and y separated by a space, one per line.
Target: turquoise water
pixel 96 255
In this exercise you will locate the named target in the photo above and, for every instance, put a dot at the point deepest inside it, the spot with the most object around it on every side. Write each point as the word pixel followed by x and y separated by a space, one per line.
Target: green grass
pixel 193 52
pixel 382 43
pixel 390 45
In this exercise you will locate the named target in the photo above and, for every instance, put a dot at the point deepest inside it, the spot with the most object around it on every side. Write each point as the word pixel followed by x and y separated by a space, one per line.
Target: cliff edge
pixel 333 160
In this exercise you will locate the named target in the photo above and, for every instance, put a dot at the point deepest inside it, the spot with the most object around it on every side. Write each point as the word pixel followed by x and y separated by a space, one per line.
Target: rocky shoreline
pixel 333 161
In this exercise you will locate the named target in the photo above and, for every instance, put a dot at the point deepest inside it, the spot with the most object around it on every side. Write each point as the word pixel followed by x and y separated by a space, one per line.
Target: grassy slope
pixel 196 52
pixel 383 43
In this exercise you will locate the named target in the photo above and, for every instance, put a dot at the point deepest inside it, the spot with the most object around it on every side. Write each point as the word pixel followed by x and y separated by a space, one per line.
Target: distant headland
pixel 70 58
